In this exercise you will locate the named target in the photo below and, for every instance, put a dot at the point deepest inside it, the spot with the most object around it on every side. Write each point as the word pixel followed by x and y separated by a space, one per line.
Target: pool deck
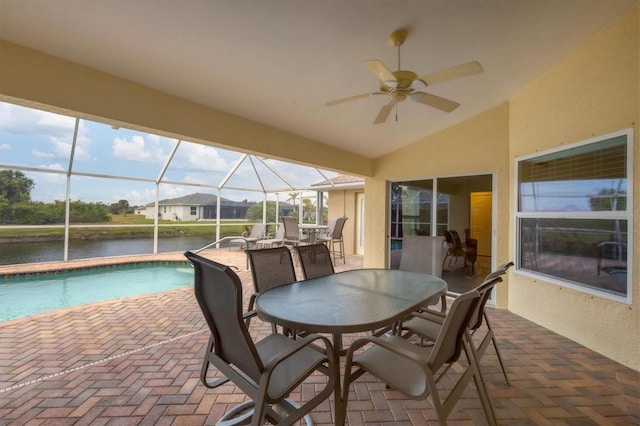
pixel 137 361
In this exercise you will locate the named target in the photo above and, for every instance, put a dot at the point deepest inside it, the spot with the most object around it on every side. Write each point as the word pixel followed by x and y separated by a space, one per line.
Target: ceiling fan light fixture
pixel 418 84
pixel 391 83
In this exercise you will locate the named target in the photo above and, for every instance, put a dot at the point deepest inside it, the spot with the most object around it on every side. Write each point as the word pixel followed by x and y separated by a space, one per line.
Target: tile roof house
pixel 198 206
pixel 202 206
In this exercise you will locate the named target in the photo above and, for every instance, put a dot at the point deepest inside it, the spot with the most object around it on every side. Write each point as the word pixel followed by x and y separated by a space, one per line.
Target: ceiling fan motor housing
pixel 402 85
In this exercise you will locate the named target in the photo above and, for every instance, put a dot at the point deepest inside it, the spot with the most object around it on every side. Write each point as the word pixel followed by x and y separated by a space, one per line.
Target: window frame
pixel 626 215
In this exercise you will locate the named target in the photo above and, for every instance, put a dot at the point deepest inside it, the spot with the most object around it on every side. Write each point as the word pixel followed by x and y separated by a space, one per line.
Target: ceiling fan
pixel 401 84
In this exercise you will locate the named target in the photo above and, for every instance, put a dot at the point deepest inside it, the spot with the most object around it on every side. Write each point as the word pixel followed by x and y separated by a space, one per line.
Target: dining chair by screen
pixel 315 260
pixel 415 370
pixel 335 237
pixel 270 267
pixel 267 371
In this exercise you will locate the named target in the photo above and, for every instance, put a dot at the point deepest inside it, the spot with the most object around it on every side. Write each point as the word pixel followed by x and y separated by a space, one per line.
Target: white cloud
pixel 41 154
pixel 54 166
pixel 5 147
pixel 139 198
pixel 175 191
pixel 138 150
pixel 50 177
pixel 131 150
pixel 196 157
pixel 28 121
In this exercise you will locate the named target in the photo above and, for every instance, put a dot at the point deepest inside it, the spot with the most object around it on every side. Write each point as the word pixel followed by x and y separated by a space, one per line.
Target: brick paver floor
pixel 137 361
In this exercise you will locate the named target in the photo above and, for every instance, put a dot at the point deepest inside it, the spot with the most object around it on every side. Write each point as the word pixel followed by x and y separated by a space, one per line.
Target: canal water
pixel 50 251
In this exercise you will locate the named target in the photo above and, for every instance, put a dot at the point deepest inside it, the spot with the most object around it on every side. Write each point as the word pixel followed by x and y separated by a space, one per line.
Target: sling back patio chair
pixel 269 370
pixel 459 250
pixel 292 232
pixel 426 324
pixel 270 267
pixel 415 370
pixel 249 239
pixel 315 260
pixel 277 240
pixel 424 254
pixel 334 236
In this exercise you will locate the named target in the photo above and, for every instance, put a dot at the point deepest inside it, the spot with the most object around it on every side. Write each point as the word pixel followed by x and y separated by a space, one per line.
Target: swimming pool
pixel 20 297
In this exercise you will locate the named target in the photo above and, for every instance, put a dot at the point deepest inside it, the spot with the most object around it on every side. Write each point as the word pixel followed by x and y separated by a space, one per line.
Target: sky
pixel 43 140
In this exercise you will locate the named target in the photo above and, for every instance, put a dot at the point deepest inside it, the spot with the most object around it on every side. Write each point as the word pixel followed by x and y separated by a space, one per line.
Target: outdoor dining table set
pixel 384 307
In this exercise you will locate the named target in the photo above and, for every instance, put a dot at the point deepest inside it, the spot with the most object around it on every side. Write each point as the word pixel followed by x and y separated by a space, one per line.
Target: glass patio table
pixel 352 301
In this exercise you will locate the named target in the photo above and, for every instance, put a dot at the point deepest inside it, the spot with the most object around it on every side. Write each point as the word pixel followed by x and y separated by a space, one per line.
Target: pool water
pixel 21 297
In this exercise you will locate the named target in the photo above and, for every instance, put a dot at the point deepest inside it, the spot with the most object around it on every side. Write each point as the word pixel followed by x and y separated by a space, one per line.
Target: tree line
pixel 17 208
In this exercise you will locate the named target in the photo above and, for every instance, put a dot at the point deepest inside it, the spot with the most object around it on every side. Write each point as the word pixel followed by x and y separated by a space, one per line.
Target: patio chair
pixel 335 237
pixel 270 267
pixel 424 254
pixel 415 370
pixel 458 250
pixel 267 370
pixel 276 241
pixel 427 323
pixel 250 239
pixel 292 232
pixel 315 260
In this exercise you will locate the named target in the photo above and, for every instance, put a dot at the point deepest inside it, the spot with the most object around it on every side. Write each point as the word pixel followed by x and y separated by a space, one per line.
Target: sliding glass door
pixel 462 204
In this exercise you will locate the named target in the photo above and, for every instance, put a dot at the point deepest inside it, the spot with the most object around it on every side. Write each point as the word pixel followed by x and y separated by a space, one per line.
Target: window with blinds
pixel 573 215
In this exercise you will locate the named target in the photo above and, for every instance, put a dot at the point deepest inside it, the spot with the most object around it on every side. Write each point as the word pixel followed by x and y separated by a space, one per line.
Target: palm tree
pixel 292 197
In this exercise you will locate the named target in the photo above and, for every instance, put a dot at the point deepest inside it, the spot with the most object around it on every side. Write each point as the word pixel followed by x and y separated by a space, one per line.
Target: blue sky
pixel 43 140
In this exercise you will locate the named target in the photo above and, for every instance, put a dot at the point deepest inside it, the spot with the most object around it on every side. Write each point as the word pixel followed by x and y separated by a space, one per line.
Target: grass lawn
pixel 128 229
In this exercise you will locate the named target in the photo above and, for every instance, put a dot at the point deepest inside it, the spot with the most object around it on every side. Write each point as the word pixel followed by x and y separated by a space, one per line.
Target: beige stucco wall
pixel 595 90
pixel 476 146
pixel 343 203
pixel 31 78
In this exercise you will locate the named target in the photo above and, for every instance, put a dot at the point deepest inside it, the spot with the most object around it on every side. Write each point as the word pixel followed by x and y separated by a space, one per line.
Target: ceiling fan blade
pixel 434 101
pixel 384 112
pixel 459 71
pixel 353 98
pixel 380 70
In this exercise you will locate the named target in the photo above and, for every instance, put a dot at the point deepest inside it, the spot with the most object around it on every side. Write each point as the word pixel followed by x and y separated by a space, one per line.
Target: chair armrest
pixel 429 315
pixel 388 343
pixel 297 346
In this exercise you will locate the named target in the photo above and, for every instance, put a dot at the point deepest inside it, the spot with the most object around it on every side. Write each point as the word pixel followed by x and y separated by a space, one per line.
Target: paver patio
pixel 137 361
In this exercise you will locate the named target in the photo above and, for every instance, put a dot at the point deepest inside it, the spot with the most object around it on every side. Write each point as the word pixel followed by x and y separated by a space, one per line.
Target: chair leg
pixel 205 368
pixel 474 362
pixel 495 345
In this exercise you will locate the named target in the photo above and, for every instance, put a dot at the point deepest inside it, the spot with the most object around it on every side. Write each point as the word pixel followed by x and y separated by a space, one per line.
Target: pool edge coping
pixel 70 269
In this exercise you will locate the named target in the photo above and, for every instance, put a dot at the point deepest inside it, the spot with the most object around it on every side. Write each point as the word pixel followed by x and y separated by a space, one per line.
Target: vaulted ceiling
pixel 279 61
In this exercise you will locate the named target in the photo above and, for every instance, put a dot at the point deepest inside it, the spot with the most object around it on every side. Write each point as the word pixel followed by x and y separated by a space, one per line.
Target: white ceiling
pixel 279 61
